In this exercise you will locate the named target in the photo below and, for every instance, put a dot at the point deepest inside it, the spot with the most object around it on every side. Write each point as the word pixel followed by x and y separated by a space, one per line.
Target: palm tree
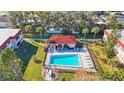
pixel 40 30
pixel 11 18
pixel 115 27
pixel 12 65
pixel 28 28
pixel 109 46
pixel 111 19
pixel 95 18
pixel 66 30
pixel 95 30
pixel 85 31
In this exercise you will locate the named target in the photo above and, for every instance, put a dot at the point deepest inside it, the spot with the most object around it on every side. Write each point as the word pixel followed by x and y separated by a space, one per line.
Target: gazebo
pixel 63 41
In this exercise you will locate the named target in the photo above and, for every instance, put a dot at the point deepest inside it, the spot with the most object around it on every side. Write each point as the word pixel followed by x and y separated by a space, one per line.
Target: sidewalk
pixel 35 39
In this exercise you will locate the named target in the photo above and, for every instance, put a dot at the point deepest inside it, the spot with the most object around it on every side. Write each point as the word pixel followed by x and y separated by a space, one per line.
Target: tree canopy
pixel 10 65
pixel 95 30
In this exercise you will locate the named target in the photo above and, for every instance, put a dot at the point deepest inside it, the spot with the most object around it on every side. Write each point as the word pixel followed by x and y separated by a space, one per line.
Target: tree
pixel 28 28
pixel 95 18
pixel 40 30
pixel 66 31
pixel 10 65
pixel 82 25
pixel 95 30
pixel 36 59
pixel 109 46
pixel 19 18
pixel 11 19
pixel 110 20
pixel 85 31
pixel 114 75
pixel 115 27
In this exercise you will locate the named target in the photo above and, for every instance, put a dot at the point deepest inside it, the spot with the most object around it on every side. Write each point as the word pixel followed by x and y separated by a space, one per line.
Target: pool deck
pixel 86 61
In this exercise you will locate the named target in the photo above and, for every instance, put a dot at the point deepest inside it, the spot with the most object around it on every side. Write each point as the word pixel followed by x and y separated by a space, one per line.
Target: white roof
pixel 6 33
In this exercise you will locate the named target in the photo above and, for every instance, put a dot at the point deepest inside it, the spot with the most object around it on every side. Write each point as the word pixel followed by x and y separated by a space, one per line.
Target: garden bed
pixel 104 65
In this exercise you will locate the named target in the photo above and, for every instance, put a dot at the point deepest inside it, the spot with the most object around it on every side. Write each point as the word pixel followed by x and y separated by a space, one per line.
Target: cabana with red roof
pixel 63 40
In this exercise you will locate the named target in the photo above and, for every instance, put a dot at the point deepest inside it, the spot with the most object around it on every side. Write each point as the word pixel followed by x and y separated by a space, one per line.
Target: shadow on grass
pixel 120 65
pixel 90 36
pixel 25 52
pixel 36 36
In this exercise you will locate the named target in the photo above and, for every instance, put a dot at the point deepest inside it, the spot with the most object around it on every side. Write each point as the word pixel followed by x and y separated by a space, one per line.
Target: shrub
pixel 112 62
pixel 115 76
pixel 36 59
pixel 66 76
pixel 96 51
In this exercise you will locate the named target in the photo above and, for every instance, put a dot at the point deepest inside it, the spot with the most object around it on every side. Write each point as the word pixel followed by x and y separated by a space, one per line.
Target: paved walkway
pixel 49 39
pixel 35 39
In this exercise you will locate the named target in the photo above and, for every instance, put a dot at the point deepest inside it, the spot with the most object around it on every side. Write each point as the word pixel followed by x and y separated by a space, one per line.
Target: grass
pixel 26 51
pixel 89 36
pixel 100 58
pixel 47 36
pixel 66 77
pixel 26 35
pixel 33 71
pixel 36 35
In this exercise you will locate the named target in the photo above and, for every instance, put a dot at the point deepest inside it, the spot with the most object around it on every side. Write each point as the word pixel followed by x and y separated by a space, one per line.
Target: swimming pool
pixel 66 60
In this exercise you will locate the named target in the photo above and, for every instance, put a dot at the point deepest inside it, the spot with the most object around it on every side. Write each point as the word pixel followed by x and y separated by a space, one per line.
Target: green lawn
pixel 36 35
pixel 89 36
pixel 33 71
pixel 26 51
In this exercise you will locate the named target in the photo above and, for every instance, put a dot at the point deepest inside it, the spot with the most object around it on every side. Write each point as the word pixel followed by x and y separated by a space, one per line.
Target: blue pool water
pixel 65 60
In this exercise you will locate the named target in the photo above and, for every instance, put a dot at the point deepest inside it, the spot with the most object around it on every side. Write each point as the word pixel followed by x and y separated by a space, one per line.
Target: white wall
pixel 10 45
pixel 104 38
pixel 71 45
pixel 14 42
pixel 3 24
pixel 120 54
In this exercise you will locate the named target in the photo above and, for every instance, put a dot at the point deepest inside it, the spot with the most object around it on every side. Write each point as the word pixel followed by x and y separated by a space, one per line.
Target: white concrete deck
pixel 86 61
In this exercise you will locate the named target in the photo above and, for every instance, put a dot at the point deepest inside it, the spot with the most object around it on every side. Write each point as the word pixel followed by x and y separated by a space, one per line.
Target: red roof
pixel 13 37
pixel 3 19
pixel 63 39
pixel 119 42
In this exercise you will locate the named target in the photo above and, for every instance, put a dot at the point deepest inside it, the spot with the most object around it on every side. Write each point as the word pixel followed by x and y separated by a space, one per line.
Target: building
pixel 59 31
pixel 107 32
pixel 63 40
pixel 53 31
pixel 119 47
pixel 4 22
pixel 10 38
